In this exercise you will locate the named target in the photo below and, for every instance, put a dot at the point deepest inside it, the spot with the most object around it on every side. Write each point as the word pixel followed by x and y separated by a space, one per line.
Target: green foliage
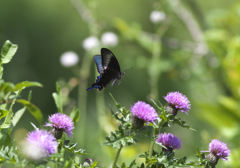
pixel 9 95
pixel 71 148
pixel 23 85
pixel 125 133
pixel 9 154
pixel 165 51
pixel 75 115
pixel 175 120
pixel 7 53
pixel 58 98
pixel 163 159
pixel 124 165
pixel 34 110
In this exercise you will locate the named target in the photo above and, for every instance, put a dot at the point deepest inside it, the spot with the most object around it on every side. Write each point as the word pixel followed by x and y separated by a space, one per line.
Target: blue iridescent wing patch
pixel 98 61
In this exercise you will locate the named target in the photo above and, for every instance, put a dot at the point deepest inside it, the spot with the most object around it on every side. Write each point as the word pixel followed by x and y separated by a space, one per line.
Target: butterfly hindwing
pixel 98 61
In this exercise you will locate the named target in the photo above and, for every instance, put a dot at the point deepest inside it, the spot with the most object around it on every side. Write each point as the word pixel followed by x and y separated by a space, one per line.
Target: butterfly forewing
pixel 109 60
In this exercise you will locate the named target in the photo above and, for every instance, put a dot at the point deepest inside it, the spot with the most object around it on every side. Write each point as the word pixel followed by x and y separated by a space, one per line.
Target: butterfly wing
pixel 109 69
pixel 109 60
pixel 103 80
pixel 98 61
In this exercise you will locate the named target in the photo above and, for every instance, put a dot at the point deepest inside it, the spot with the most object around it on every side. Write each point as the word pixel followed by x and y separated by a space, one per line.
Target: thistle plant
pixel 51 147
pixel 142 119
pixel 60 123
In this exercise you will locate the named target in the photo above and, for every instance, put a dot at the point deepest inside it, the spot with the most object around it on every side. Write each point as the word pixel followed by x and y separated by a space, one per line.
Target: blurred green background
pixel 194 48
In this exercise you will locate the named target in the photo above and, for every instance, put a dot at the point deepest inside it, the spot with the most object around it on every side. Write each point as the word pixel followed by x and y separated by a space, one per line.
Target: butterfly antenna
pixel 127 69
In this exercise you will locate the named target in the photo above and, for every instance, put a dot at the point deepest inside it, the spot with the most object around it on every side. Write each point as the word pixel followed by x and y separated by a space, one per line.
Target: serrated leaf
pixel 181 123
pixel 8 120
pixel 71 149
pixel 18 116
pixel 34 110
pixel 25 84
pixel 8 52
pixel 116 144
pixel 75 115
pixel 5 138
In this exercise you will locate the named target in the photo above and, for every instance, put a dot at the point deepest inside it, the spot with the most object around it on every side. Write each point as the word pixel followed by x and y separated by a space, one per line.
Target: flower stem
pixel 116 156
pixel 152 143
pixel 154 133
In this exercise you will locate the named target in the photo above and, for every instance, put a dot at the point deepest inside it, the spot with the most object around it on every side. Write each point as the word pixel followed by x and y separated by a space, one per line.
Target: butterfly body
pixel 109 69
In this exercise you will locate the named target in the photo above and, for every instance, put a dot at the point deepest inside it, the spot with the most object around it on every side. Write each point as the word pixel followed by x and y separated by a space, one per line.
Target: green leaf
pixel 25 84
pixel 30 96
pixel 1 71
pixel 71 148
pixel 7 88
pixel 5 138
pixel 160 144
pixel 58 98
pixel 8 120
pixel 123 165
pixel 34 110
pixel 94 164
pixel 176 120
pixel 18 116
pixel 8 52
pixel 68 163
pixel 3 112
pixel 75 115
pixel 132 164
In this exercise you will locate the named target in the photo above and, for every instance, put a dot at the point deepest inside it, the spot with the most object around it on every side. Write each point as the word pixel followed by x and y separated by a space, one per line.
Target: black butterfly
pixel 109 69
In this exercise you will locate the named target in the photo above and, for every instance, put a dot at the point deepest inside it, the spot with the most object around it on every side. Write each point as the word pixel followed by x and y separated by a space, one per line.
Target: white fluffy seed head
pixel 90 43
pixel 69 59
pixel 109 39
pixel 157 16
